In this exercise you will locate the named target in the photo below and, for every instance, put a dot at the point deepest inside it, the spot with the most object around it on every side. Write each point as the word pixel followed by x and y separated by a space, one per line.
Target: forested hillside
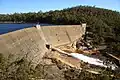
pixel 103 23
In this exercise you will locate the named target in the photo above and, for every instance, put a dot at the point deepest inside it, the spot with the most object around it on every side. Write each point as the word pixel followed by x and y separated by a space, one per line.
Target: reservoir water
pixel 5 28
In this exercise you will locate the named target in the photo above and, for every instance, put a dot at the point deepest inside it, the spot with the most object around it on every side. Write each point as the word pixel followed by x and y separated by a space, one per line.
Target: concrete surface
pixel 30 42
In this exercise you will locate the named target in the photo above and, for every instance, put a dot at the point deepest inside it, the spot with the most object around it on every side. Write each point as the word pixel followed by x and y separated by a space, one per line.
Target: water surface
pixel 5 28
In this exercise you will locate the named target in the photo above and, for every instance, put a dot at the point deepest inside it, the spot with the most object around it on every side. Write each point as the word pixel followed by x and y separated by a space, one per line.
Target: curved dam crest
pixel 31 42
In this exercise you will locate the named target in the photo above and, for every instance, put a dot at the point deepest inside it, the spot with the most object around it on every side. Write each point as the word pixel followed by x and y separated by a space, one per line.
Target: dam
pixel 31 42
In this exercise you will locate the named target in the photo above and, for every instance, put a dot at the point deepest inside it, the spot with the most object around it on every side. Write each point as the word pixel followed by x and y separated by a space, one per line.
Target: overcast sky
pixel 12 6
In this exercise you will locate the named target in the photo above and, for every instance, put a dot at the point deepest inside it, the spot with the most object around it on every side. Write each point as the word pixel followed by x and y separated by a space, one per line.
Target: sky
pixel 24 6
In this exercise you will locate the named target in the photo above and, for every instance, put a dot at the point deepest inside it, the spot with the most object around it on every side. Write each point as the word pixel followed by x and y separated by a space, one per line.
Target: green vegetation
pixel 103 23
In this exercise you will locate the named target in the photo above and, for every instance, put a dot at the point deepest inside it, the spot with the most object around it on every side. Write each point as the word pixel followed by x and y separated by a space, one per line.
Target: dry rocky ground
pixel 54 66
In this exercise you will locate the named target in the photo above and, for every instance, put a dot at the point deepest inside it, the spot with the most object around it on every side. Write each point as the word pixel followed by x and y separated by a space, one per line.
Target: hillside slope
pixel 103 23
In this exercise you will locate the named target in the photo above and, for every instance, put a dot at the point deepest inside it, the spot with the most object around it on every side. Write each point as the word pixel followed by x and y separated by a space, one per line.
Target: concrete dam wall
pixel 30 42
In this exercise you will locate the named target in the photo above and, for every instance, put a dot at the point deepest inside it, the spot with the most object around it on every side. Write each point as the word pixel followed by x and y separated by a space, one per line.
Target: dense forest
pixel 103 23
